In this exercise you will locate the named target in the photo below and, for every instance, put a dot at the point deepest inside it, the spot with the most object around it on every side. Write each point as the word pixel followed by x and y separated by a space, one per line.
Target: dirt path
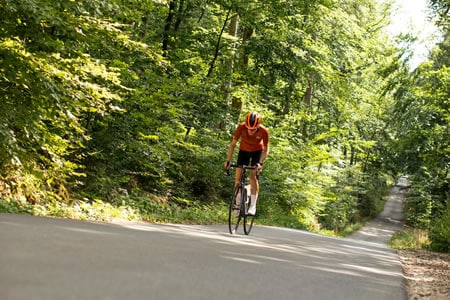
pixel 427 274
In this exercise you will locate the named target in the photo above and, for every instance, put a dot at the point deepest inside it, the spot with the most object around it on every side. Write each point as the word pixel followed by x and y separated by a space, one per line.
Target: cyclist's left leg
pixel 254 192
pixel 254 184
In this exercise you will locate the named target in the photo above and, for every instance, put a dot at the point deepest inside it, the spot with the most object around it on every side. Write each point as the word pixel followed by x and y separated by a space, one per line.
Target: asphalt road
pixel 46 258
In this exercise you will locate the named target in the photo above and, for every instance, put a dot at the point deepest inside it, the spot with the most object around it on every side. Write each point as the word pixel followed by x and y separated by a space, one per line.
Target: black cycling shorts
pixel 244 158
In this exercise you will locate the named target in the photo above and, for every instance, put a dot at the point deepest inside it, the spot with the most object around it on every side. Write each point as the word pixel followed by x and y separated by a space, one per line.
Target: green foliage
pixel 418 207
pixel 439 233
pixel 15 207
pixel 132 103
pixel 358 198
pixel 409 239
pixel 51 88
pixel 420 143
pixel 421 120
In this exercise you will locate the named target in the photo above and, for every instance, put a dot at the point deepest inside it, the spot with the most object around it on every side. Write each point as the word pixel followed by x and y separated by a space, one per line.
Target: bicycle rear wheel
pixel 234 213
pixel 248 220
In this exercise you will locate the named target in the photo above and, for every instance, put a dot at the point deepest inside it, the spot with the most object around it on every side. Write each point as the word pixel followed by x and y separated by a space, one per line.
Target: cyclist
pixel 253 150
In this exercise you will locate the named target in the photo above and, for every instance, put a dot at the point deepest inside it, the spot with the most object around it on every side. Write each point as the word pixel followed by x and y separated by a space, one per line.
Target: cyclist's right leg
pixel 237 176
pixel 254 183
pixel 242 159
pixel 254 187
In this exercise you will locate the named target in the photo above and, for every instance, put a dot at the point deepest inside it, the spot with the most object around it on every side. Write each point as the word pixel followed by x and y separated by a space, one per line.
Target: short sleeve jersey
pixel 252 143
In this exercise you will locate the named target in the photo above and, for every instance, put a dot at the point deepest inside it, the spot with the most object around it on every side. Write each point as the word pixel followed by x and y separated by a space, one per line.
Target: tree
pixel 108 95
pixel 421 140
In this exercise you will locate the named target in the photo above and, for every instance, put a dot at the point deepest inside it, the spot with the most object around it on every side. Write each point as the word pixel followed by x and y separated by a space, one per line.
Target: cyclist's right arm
pixel 230 152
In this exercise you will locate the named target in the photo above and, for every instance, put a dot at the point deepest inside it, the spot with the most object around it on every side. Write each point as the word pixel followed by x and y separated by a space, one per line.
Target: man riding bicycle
pixel 253 150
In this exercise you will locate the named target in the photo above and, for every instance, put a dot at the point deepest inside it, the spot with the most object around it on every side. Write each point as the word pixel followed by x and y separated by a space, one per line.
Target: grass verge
pixel 410 239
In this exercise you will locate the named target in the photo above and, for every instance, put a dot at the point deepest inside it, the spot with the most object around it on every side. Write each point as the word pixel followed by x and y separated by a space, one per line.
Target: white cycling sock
pixel 252 208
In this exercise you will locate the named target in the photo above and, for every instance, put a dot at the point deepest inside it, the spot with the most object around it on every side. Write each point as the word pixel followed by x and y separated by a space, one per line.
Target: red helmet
pixel 252 120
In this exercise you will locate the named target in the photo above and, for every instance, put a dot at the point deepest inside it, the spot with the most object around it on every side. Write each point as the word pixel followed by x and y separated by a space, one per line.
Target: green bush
pixel 15 207
pixel 439 233
pixel 417 208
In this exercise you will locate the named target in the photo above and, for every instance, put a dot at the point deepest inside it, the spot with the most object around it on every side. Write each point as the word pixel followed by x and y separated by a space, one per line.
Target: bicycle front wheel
pixel 234 211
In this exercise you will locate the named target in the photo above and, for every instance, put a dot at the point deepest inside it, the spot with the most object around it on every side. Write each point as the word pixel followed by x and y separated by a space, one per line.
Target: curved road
pixel 46 258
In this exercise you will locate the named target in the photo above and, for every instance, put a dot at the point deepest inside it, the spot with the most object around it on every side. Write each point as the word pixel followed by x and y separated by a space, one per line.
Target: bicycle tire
pixel 234 213
pixel 248 219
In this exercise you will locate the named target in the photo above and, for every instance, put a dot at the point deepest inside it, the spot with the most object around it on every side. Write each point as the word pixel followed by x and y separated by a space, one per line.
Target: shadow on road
pixel 48 258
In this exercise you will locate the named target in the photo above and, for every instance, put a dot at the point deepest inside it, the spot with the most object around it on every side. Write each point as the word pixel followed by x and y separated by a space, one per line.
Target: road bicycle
pixel 240 202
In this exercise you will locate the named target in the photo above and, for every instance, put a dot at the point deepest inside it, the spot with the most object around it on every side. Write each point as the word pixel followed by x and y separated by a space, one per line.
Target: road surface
pixel 47 258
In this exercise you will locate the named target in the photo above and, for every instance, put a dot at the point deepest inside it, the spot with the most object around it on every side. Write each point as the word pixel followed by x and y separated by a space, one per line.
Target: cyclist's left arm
pixel 264 154
pixel 265 151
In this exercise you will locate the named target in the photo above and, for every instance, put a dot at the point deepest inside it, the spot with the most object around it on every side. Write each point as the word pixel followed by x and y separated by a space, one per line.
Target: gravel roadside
pixel 427 274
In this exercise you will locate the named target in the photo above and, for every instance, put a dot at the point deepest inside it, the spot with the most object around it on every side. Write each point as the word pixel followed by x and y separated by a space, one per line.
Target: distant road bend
pixel 45 258
pixel 381 229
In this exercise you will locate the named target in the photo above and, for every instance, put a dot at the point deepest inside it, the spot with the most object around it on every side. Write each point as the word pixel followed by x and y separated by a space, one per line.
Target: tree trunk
pixel 167 27
pixel 216 51
pixel 247 34
pixel 236 103
pixel 180 15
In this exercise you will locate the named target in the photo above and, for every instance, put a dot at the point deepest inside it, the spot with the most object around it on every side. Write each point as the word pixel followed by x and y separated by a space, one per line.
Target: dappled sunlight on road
pixel 84 230
pixel 177 260
pixel 240 259
pixel 285 246
pixel 370 270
